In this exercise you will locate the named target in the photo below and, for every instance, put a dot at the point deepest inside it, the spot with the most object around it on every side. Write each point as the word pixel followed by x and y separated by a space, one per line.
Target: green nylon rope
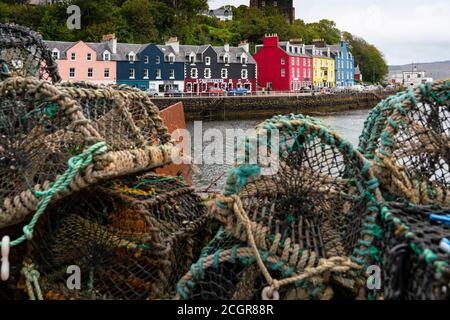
pixel 76 164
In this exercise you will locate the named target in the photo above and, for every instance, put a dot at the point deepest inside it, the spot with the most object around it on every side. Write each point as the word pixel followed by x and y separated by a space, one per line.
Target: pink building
pixel 80 61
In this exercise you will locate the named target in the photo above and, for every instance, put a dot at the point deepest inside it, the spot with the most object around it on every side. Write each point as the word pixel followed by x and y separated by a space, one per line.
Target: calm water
pixel 349 124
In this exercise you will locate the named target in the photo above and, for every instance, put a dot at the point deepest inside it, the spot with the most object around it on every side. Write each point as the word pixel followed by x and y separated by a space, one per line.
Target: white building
pixel 410 78
pixel 224 13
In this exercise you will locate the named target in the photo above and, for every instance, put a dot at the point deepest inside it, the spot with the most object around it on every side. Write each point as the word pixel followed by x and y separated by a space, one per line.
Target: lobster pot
pixel 414 265
pixel 23 53
pixel 407 138
pixel 308 221
pixel 109 133
pixel 130 238
pixel 126 118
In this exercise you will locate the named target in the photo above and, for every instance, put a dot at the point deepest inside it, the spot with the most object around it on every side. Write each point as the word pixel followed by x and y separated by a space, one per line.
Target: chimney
pixel 244 45
pixel 173 42
pixel 270 40
pixel 319 43
pixel 112 41
pixel 226 46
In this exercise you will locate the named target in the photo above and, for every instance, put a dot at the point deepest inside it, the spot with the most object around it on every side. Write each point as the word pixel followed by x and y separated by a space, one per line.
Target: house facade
pixel 151 67
pixel 81 61
pixel 285 7
pixel 324 67
pixel 208 67
pixel 345 64
pixel 283 66
pixel 223 14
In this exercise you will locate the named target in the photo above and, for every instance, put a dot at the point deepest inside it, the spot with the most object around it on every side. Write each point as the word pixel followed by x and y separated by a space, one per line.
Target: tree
pixel 370 60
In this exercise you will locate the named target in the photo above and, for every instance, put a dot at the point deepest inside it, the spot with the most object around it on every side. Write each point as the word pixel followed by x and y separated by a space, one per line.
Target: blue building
pixel 345 64
pixel 150 66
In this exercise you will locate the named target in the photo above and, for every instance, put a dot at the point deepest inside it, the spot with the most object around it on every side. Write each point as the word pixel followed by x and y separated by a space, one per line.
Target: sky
pixel 405 31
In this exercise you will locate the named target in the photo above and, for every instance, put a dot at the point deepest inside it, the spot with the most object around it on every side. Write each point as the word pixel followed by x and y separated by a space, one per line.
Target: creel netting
pixel 312 222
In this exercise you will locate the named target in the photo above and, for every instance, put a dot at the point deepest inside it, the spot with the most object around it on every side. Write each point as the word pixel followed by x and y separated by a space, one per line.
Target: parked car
pixel 152 92
pixel 325 91
pixel 237 92
pixel 306 89
pixel 173 93
pixel 216 91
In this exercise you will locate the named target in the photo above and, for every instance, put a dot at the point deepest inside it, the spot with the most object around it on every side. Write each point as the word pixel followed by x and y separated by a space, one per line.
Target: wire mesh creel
pixel 414 266
pixel 23 53
pixel 132 239
pixel 407 138
pixel 42 127
pixel 305 232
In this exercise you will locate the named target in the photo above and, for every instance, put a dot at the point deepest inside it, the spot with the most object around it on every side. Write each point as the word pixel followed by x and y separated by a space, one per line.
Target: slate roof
pixel 123 49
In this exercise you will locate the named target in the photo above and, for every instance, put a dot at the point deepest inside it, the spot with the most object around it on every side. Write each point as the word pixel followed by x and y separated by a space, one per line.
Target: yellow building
pixel 324 74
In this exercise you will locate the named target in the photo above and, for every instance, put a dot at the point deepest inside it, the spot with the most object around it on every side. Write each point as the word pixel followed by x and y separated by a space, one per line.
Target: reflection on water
pixel 348 124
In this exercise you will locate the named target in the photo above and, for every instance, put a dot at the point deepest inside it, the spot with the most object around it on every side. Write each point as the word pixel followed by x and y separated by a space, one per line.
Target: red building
pixel 283 66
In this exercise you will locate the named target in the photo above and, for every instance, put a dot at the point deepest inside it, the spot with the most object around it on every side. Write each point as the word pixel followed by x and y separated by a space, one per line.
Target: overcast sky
pixel 404 30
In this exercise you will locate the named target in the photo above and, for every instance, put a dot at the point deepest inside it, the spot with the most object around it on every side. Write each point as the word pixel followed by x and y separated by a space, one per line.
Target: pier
pixel 263 106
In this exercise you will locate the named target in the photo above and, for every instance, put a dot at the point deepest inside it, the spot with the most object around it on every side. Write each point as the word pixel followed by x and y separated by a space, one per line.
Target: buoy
pixel 5 256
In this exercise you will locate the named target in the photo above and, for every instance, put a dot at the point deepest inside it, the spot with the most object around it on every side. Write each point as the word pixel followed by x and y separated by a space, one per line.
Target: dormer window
pixel 106 56
pixel 131 57
pixel 226 59
pixel 244 59
pixel 55 54
pixel 171 58
pixel 192 58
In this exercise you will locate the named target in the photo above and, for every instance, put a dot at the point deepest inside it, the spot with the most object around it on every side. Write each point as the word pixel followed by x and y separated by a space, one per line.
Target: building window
pixel 146 59
pixel 145 73
pixel 226 59
pixel 244 60
pixel 90 72
pixel 55 54
pixel 192 58
pixel 171 58
pixel 158 59
pixel 224 73
pixel 189 87
pixel 106 56
pixel 106 73
pixel 283 72
pixel 131 73
pixel 207 73
pixel 304 72
pixel 89 57
pixel 131 57
pixel 298 61
pixel 208 61
pixel 72 73
pixel 172 73
pixel 158 73
pixel 275 3
pixel 194 73
pixel 283 61
pixel 244 74
pixel 293 72
pixel 73 56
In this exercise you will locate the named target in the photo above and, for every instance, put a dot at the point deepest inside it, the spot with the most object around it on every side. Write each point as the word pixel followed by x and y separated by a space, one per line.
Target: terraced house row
pixel 159 68
pixel 172 67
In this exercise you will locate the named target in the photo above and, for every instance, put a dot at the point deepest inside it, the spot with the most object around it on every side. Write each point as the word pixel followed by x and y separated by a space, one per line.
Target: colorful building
pixel 81 61
pixel 151 66
pixel 324 74
pixel 225 67
pixel 345 64
pixel 283 66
